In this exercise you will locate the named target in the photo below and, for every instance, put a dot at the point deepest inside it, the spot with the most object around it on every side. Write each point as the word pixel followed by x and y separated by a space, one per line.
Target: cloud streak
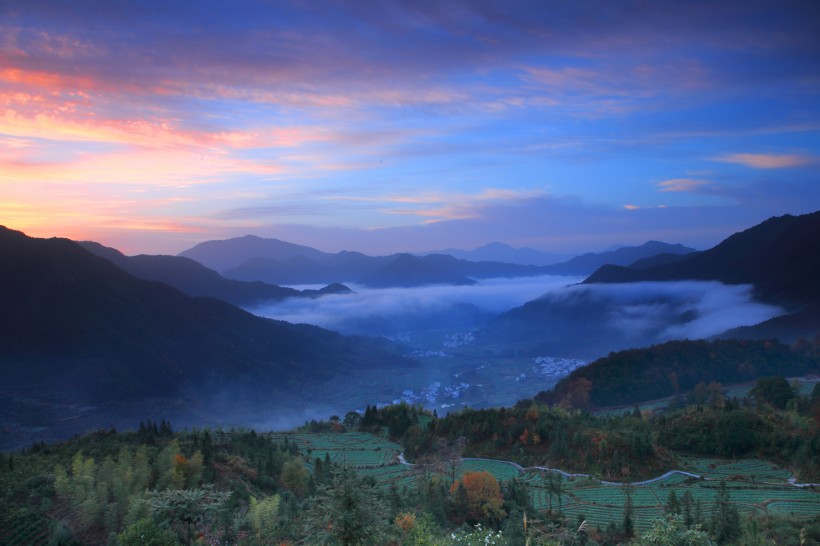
pixel 681 184
pixel 768 161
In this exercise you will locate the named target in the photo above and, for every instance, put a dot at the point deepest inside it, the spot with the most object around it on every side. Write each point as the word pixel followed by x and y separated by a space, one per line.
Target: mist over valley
pixel 104 334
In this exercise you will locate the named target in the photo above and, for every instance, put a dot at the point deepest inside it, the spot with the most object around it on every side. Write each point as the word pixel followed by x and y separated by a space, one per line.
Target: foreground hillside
pixel 472 478
pixel 75 329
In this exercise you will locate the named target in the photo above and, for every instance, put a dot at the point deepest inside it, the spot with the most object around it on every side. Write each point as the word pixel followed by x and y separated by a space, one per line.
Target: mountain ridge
pixel 780 257
pixel 76 324
pixel 273 261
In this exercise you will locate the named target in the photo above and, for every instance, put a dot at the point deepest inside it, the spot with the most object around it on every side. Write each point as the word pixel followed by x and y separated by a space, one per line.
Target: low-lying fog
pixel 670 310
pixel 387 311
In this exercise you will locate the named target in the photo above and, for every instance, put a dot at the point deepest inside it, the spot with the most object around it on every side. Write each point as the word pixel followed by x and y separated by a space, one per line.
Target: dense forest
pixel 157 486
pixel 675 367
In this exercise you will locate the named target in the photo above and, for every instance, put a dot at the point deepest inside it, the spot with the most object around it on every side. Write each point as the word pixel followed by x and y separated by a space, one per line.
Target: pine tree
pixel 347 511
pixel 725 524
pixel 628 523
pixel 688 518
pixel 672 506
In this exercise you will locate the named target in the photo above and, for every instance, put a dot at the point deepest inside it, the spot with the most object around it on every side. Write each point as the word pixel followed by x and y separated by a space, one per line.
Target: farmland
pixel 754 486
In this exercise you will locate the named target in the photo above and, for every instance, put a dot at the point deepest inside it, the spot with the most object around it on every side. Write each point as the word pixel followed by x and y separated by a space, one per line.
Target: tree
pixel 348 511
pixel 672 506
pixel 725 524
pixel 686 501
pixel 774 391
pixel 295 477
pixel 450 454
pixel 416 531
pixel 736 432
pixel 352 420
pixel 483 495
pixel 185 509
pixel 671 531
pixel 628 522
pixel 263 516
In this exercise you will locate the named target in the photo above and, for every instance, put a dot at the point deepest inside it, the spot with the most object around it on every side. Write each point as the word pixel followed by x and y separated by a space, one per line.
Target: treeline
pixel 675 367
pixel 101 484
pixel 774 423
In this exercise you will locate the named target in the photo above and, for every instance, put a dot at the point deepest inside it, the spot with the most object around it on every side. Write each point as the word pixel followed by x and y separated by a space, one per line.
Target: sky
pixel 384 126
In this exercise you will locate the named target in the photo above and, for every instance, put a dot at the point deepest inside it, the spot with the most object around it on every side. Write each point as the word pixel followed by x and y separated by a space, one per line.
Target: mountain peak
pixel 407 270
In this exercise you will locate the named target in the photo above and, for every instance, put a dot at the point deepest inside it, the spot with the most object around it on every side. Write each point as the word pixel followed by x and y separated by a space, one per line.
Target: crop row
pixel 798 508
pixel 400 475
pixel 752 469
pixel 26 529
pixel 641 496
pixel 500 469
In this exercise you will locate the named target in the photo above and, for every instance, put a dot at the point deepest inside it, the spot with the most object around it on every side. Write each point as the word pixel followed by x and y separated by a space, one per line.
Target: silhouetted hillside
pixel 658 259
pixel 74 321
pixel 293 270
pixel 780 257
pixel 406 270
pixel 277 262
pixel 229 253
pixel 501 252
pixel 482 269
pixel 191 277
pixel 587 263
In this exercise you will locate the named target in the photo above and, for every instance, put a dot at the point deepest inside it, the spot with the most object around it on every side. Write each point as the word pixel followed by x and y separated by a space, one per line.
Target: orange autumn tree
pixel 480 496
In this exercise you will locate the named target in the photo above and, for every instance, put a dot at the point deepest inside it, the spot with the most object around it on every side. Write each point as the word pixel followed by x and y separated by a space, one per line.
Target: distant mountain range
pixel 623 256
pixel 501 252
pixel 194 279
pixel 273 261
pixel 74 324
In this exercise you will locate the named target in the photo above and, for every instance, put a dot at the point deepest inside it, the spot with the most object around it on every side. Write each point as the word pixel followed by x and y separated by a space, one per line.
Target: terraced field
pixel 753 470
pixel 356 449
pixel 23 526
pixel 754 485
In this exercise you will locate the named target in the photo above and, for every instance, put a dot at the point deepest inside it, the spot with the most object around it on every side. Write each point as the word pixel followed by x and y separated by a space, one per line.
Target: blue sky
pixel 407 126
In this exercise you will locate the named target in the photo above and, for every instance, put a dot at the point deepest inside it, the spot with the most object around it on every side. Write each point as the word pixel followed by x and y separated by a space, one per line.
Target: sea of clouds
pixel 671 310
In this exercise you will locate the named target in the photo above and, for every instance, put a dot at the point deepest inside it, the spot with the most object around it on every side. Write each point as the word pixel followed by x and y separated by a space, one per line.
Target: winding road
pixel 791 481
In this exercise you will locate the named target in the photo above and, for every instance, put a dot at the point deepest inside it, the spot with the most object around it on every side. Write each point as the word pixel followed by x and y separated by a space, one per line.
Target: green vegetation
pixel 676 367
pixel 475 476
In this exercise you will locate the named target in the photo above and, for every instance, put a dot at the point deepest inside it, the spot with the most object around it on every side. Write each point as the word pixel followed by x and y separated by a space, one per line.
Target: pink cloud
pixel 681 184
pixel 768 161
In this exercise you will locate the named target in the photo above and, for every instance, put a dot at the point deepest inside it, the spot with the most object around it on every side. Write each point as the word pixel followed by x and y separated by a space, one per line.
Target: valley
pixel 578 398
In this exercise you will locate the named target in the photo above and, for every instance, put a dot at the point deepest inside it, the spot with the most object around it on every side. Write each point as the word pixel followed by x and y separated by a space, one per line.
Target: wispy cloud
pixel 682 184
pixel 423 104
pixel 768 161
pixel 440 206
